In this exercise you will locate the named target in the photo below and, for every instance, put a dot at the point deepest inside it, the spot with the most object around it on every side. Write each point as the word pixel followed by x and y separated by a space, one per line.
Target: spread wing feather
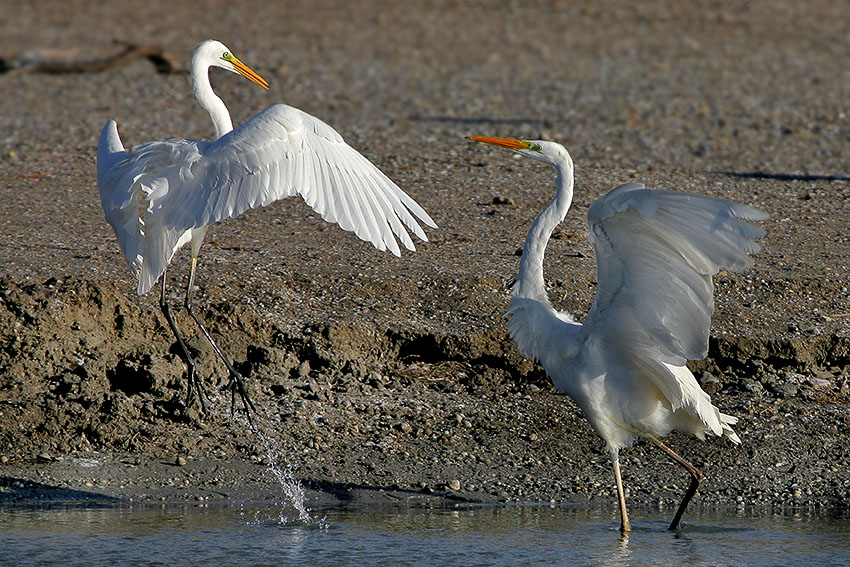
pixel 656 252
pixel 156 195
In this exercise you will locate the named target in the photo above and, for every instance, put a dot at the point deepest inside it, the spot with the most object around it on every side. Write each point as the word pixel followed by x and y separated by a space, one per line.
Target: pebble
pixel 707 378
pixel 787 390
pixel 181 461
pixel 454 485
pixel 304 369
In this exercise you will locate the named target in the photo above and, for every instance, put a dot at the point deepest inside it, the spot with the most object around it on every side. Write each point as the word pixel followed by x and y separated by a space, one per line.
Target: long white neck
pixel 208 99
pixel 529 283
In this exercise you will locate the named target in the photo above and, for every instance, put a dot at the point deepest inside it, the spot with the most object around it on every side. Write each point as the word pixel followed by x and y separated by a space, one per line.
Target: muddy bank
pixel 92 408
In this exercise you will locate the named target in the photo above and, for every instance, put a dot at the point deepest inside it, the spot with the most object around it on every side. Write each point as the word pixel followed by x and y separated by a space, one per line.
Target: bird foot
pixel 196 384
pixel 237 386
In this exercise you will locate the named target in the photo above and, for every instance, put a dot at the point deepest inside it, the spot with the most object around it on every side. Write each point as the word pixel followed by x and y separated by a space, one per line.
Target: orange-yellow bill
pixel 510 143
pixel 249 73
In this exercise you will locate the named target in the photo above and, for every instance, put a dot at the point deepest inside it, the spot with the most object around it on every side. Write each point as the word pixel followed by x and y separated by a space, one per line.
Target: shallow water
pixel 372 534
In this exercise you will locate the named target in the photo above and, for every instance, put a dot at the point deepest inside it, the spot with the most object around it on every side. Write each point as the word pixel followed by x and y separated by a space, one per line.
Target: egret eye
pixel 226 56
pixel 535 147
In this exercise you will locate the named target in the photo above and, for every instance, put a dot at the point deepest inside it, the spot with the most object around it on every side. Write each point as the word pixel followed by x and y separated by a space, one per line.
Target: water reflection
pixel 251 533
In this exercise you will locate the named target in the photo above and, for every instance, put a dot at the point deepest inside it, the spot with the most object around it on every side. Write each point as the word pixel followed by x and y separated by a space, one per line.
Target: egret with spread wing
pixel 164 195
pixel 656 252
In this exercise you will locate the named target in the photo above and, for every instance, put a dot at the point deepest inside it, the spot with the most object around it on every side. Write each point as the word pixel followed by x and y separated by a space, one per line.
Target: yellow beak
pixel 510 143
pixel 249 73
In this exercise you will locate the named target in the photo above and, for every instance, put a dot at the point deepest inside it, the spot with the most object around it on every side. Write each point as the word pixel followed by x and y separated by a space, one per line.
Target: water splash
pixel 285 475
pixel 280 467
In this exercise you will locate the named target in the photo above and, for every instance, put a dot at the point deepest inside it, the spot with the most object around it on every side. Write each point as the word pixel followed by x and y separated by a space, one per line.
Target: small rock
pixel 818 382
pixel 706 377
pixel 4 459
pixel 500 200
pixel 405 427
pixel 709 383
pixel 753 386
pixel 181 461
pixel 786 390
pixel 44 458
pixel 304 369
pixel 454 485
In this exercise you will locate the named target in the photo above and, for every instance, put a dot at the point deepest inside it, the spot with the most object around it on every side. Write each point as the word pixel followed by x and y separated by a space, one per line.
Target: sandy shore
pixel 384 377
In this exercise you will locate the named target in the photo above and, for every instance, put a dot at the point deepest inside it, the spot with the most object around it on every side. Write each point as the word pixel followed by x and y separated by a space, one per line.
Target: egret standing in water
pixel 164 195
pixel 656 252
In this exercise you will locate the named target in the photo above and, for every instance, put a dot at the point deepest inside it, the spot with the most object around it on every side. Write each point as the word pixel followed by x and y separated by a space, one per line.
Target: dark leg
pixel 696 477
pixel 195 381
pixel 237 382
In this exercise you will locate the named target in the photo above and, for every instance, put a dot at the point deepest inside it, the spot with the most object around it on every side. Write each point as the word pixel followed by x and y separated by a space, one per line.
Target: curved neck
pixel 529 283
pixel 208 99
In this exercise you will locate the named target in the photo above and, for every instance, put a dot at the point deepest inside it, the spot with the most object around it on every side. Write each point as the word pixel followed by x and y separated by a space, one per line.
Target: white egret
pixel 164 195
pixel 656 252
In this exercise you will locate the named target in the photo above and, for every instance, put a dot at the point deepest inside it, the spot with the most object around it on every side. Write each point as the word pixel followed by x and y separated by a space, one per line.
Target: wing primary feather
pixel 412 205
pixel 375 179
pixel 397 195
pixel 338 199
pixel 350 201
pixel 392 225
pixel 361 202
pixel 378 214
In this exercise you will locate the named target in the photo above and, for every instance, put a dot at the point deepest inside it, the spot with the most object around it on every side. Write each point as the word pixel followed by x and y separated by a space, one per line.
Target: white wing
pixel 656 252
pixel 164 189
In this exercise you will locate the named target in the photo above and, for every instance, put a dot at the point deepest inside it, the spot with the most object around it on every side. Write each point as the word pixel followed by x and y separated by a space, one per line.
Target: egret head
pixel 213 53
pixel 541 150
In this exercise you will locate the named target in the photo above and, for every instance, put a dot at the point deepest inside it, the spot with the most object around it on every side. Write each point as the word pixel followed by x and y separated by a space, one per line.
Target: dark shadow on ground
pixel 784 176
pixel 542 122
pixel 351 492
pixel 21 491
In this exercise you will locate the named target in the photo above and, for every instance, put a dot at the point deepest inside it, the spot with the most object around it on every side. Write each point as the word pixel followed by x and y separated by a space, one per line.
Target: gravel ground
pixel 391 378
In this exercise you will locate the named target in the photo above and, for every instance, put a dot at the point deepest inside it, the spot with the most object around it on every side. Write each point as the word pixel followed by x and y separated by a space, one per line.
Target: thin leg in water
pixel 625 526
pixel 237 382
pixel 696 477
pixel 195 381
